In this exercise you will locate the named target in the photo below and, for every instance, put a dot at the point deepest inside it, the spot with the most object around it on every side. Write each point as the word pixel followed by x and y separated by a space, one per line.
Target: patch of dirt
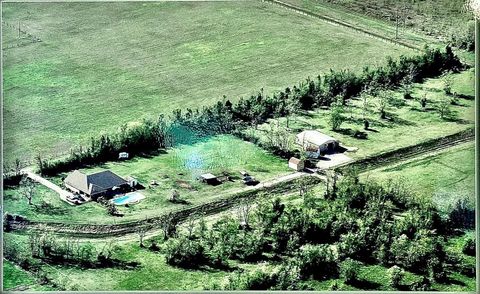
pixel 184 184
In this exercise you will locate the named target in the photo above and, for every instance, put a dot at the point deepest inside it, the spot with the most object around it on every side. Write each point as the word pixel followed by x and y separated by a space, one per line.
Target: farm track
pixel 234 198
pixel 337 22
pixel 409 152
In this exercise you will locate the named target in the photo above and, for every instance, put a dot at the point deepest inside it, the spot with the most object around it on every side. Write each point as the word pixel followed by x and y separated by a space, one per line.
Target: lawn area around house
pixel 406 123
pixel 177 169
pixel 91 74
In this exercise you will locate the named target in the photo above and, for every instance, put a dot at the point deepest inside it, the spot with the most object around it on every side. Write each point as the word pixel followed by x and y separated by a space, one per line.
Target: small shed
pixel 209 179
pixel 132 182
pixel 296 164
pixel 123 155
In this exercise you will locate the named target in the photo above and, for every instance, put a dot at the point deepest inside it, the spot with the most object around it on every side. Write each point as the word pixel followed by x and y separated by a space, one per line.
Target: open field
pixel 92 74
pixel 177 169
pixel 443 177
pixel 406 123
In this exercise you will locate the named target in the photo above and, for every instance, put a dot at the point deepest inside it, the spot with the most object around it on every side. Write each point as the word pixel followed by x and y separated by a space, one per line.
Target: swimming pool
pixel 128 198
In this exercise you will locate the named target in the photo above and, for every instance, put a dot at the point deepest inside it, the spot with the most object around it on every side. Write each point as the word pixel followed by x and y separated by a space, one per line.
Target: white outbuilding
pixel 316 144
pixel 296 164
pixel 123 155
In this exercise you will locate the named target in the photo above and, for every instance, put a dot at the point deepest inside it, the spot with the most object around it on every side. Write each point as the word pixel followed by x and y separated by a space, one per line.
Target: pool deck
pixel 138 196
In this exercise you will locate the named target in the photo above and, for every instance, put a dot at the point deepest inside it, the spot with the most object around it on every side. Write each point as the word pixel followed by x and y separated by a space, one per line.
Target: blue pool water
pixel 128 198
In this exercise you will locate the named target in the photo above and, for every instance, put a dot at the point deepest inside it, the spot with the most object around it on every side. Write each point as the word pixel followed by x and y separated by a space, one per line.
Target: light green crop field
pixel 406 124
pixel 100 65
pixel 177 169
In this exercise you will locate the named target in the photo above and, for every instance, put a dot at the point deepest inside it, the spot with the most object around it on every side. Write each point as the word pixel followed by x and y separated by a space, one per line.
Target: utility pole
pixel 19 29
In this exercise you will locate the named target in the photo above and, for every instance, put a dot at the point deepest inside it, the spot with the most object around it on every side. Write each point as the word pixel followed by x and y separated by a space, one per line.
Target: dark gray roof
pixel 94 183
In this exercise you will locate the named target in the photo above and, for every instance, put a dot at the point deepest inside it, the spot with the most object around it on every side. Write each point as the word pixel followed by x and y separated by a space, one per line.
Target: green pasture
pixel 177 169
pixel 101 65
pixel 443 177
pixel 406 123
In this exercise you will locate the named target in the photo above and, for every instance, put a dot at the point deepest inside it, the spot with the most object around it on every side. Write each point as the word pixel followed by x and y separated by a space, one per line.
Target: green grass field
pixel 444 177
pixel 406 124
pixel 177 169
pixel 15 277
pixel 101 65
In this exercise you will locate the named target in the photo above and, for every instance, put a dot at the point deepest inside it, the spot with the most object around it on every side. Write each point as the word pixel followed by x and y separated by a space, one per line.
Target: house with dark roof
pixel 104 183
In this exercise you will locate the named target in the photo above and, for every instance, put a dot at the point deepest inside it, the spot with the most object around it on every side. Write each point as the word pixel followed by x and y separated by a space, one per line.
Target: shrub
pixel 317 261
pixel 424 285
pixel 395 275
pixel 469 247
pixel 416 254
pixel 462 214
pixel 284 277
pixel 259 279
pixel 185 253
pixel 360 135
pixel 349 269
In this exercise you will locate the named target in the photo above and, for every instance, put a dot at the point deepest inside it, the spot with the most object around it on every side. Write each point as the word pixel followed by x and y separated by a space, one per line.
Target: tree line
pixel 232 117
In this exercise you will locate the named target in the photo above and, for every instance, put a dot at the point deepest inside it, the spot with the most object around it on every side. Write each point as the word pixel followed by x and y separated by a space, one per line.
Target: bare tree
pixel 293 107
pixel 27 189
pixel 383 100
pixel 168 226
pixel 447 80
pixel 17 166
pixel 244 213
pixel 190 226
pixel 444 107
pixel 142 232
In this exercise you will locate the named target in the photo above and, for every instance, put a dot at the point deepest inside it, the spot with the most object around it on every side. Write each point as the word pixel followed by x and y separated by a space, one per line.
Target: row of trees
pixel 228 117
pixel 324 239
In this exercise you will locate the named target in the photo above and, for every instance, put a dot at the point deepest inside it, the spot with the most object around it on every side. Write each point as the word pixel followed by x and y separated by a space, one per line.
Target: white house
pixel 316 144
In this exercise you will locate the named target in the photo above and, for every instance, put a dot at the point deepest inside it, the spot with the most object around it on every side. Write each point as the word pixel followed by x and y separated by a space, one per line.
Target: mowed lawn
pixel 177 169
pixel 101 65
